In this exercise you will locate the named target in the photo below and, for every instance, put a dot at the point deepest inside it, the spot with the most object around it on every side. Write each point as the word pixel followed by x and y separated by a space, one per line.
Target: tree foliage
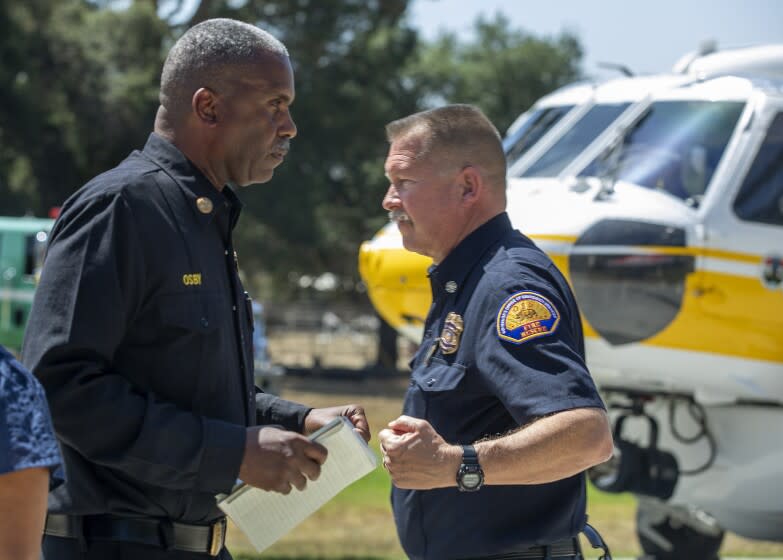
pixel 79 83
pixel 502 70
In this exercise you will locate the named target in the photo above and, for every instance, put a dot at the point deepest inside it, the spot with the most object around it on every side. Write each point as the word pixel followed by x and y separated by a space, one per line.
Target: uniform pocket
pixel 192 312
pixel 440 376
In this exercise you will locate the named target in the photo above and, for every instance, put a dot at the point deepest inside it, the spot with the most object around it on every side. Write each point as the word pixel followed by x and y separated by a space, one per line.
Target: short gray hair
pixel 459 132
pixel 205 53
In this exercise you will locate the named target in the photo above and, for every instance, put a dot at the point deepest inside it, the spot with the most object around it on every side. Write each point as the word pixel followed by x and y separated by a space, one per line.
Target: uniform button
pixel 431 382
pixel 225 253
pixel 204 322
pixel 234 307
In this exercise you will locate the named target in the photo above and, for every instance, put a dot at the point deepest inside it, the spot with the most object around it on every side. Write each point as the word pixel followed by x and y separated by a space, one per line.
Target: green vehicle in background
pixel 22 246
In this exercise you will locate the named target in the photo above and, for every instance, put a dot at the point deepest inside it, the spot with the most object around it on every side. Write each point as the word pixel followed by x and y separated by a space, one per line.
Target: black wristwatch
pixel 470 477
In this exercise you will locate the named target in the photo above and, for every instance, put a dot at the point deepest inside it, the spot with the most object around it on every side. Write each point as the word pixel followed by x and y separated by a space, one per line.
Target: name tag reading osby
pixel 526 315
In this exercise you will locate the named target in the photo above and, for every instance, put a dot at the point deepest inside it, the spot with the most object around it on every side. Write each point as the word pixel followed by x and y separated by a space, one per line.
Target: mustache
pixel 398 216
pixel 282 146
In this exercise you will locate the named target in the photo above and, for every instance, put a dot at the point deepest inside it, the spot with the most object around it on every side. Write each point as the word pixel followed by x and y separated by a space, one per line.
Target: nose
pixel 391 200
pixel 288 127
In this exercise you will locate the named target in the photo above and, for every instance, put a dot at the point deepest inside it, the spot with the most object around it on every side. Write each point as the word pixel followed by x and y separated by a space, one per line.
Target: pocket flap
pixel 191 312
pixel 440 376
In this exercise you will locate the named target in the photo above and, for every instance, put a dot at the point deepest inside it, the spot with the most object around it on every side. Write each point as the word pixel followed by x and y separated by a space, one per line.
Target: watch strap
pixel 469 455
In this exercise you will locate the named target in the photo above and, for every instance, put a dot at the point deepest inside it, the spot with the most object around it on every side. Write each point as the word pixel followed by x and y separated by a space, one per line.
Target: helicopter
pixel 660 198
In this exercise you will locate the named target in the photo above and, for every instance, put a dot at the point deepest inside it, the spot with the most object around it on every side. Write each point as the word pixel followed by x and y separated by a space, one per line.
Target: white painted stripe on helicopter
pixel 715 376
pixel 16 295
pixel 729 266
pixel 386 242
pixel 560 248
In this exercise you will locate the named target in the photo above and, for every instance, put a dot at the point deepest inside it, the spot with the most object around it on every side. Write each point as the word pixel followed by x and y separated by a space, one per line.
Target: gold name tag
pixel 192 279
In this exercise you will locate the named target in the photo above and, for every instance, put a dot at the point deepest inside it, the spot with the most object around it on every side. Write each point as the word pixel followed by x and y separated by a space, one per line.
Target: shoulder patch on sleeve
pixel 526 315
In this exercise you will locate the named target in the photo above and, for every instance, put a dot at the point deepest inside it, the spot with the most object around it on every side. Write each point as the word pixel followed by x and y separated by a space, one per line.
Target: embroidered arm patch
pixel 526 315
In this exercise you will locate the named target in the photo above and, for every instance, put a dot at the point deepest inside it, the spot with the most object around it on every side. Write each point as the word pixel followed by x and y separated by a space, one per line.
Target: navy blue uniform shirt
pixel 26 436
pixel 141 334
pixel 520 357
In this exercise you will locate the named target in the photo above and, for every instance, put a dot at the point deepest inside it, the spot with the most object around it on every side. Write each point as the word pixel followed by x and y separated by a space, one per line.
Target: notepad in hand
pixel 264 516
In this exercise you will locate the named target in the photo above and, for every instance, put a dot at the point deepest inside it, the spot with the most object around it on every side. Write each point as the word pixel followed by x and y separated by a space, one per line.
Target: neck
pixel 190 143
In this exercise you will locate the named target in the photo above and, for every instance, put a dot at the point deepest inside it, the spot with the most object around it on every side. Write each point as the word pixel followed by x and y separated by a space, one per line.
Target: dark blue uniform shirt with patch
pixel 141 334
pixel 520 357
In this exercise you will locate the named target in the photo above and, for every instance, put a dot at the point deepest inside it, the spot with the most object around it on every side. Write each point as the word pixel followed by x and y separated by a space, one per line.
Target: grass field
pixel 357 524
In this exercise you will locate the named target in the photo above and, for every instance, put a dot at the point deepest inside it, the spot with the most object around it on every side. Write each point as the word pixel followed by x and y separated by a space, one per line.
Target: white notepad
pixel 266 516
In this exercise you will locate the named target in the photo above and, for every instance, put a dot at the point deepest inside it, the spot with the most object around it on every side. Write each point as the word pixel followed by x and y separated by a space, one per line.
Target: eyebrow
pixel 285 97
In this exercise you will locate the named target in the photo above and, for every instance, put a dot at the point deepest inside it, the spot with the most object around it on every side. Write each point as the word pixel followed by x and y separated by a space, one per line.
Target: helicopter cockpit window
pixel 675 147
pixel 576 139
pixel 760 198
pixel 539 123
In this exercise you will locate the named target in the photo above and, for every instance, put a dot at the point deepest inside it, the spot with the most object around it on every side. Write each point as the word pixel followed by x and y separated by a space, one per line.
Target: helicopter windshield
pixel 675 147
pixel 576 139
pixel 540 122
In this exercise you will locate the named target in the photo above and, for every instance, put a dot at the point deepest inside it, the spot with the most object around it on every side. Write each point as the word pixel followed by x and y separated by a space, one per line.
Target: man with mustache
pixel 141 331
pixel 501 417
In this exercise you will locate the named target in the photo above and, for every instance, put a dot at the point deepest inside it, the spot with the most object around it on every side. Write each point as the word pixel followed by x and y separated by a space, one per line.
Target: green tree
pixel 79 82
pixel 500 69
pixel 78 85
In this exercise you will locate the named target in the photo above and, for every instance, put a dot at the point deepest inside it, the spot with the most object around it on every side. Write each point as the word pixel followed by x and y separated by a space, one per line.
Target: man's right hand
pixel 277 459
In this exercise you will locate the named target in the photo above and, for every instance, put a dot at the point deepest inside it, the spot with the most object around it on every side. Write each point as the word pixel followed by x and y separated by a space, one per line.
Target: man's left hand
pixel 417 457
pixel 321 416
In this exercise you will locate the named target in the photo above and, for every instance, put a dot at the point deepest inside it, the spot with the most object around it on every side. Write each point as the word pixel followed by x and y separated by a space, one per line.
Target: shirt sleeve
pixel 274 410
pixel 26 436
pixel 91 287
pixel 531 362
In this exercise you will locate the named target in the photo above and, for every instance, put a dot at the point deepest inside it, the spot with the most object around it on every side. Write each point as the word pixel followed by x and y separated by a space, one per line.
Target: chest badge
pixel 452 330
pixel 526 315
pixel 204 205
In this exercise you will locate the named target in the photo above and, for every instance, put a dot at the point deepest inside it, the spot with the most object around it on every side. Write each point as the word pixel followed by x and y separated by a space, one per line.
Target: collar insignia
pixel 525 316
pixel 452 330
pixel 204 205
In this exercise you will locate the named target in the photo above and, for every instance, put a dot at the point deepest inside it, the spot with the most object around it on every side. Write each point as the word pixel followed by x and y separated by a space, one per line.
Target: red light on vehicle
pixel 54 212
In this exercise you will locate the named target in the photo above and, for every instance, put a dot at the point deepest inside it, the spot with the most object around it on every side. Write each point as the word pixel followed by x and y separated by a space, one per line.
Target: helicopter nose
pixel 626 290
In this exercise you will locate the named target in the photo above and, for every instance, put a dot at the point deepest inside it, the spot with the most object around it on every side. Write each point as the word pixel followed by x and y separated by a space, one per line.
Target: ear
pixel 472 184
pixel 204 104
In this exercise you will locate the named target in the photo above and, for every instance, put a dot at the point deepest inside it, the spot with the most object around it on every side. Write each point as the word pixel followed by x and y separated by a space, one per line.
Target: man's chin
pixel 409 243
pixel 258 179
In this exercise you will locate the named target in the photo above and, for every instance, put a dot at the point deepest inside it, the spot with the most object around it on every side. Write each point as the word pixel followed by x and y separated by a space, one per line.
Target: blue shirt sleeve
pixel 26 436
pixel 538 372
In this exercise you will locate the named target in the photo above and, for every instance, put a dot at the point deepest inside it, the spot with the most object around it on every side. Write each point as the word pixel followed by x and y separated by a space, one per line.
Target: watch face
pixel 471 480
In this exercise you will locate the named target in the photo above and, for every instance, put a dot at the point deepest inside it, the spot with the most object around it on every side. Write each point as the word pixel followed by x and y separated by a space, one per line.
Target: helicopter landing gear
pixel 673 533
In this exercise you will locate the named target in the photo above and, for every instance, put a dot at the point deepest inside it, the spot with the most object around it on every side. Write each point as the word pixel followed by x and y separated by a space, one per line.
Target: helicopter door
pixel 743 264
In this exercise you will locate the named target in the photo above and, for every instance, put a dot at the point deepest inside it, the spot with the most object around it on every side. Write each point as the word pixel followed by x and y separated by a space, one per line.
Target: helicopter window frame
pixel 540 122
pixel 561 153
pixel 760 196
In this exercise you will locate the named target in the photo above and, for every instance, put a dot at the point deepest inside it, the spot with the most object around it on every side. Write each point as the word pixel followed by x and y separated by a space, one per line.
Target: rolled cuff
pixel 274 410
